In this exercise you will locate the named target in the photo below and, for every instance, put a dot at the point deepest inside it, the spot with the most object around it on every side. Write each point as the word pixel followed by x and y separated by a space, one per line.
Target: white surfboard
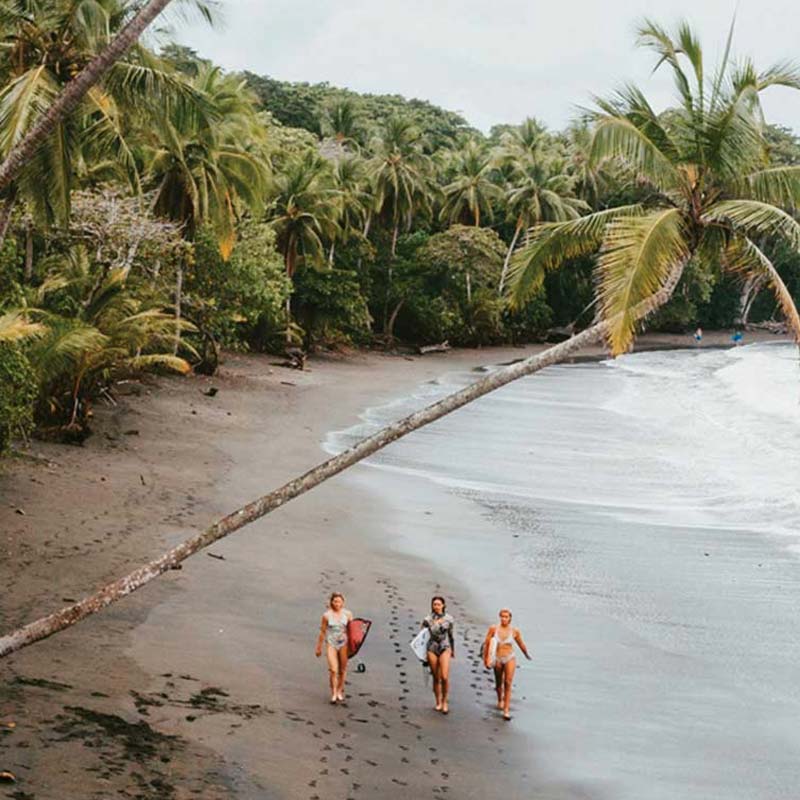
pixel 419 644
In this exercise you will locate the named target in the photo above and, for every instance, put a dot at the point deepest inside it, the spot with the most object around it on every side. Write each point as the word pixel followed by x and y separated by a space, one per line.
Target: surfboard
pixel 357 630
pixel 419 644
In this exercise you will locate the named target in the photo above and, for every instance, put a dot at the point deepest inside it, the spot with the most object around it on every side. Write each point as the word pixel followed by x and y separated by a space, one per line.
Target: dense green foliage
pixel 183 210
pixel 18 393
pixel 306 105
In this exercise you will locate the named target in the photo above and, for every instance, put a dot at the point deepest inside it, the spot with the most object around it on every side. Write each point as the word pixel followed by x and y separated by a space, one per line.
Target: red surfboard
pixel 357 630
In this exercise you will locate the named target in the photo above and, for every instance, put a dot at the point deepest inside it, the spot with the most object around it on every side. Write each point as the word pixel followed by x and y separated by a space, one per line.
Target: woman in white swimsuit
pixel 333 634
pixel 498 652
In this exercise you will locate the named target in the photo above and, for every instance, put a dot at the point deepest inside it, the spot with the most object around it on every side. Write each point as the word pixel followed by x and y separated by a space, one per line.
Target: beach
pixel 204 684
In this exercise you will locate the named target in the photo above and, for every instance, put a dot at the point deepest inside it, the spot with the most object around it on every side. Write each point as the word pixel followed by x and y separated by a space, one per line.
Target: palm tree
pixel 400 174
pixel 528 140
pixel 207 162
pixel 342 120
pixel 65 81
pixel 472 188
pixel 591 179
pixel 540 190
pixel 111 335
pixel 207 165
pixel 711 191
pixel 353 197
pixel 304 213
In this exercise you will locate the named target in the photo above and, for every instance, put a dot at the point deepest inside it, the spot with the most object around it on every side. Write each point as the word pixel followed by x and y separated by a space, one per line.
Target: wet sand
pixel 204 684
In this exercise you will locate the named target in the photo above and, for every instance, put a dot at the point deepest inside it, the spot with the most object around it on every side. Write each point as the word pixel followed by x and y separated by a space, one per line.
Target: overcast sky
pixel 492 60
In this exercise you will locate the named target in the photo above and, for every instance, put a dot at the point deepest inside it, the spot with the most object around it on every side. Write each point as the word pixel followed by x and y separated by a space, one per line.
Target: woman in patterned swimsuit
pixel 441 650
pixel 333 634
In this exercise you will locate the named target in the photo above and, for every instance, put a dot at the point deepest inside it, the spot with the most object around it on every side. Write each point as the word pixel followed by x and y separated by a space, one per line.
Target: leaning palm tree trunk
pixel 46 626
pixel 75 90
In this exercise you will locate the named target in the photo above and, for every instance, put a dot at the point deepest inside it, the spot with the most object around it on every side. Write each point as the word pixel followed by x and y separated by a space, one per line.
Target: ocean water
pixel 648 508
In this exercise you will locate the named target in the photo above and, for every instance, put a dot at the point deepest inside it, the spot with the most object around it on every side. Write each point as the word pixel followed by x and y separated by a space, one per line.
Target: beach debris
pixel 141 478
pixel 211 392
pixel 296 358
pixel 9 726
pixel 288 383
pixel 7 777
pixel 215 555
pixel 131 432
pixel 442 347
pixel 20 511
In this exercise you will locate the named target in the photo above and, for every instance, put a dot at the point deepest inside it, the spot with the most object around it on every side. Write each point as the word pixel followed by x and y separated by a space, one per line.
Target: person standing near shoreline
pixel 333 635
pixel 498 653
pixel 441 650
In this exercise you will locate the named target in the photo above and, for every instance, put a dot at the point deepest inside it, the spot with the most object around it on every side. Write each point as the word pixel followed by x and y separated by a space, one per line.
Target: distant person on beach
pixel 498 654
pixel 698 335
pixel 441 650
pixel 737 338
pixel 333 635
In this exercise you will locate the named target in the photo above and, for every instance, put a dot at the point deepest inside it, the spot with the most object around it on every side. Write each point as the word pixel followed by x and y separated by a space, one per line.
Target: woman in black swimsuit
pixel 441 650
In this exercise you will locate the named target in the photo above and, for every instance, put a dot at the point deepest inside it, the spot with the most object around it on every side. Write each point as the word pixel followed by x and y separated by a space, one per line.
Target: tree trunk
pixel 330 255
pixel 5 216
pixel 390 277
pixel 750 290
pixel 511 247
pixel 69 99
pixel 392 319
pixel 367 224
pixel 469 289
pixel 47 626
pixel 178 304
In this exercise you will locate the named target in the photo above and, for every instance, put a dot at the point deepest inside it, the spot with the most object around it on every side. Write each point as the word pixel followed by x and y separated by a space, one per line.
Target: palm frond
pixel 778 186
pixel 637 257
pixel 158 361
pixel 744 257
pixel 616 137
pixel 754 216
pixel 654 37
pixel 65 343
pixel 550 244
pixel 15 326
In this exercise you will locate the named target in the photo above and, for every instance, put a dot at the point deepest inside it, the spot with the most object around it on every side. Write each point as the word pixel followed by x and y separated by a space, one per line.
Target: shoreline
pixel 192 459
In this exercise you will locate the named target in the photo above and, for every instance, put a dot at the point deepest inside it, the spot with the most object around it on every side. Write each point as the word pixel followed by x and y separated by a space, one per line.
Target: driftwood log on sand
pixel 443 347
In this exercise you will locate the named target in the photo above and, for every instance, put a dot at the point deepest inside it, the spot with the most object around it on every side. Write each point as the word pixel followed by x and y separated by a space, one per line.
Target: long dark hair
pixel 444 603
pixel 333 597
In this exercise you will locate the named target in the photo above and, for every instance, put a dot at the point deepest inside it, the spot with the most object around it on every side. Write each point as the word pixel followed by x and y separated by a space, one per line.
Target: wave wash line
pixel 91 604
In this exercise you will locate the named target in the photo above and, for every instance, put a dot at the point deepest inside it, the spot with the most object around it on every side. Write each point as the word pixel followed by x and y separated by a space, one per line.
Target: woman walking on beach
pixel 333 634
pixel 498 653
pixel 441 650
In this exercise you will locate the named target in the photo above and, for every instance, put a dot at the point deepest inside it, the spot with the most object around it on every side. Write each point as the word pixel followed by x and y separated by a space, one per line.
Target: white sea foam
pixel 706 438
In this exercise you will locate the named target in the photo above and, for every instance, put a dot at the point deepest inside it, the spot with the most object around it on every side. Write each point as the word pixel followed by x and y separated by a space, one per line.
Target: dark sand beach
pixel 204 684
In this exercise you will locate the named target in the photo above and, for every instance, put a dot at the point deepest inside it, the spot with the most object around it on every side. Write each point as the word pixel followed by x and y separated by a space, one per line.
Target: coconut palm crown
pixel 711 194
